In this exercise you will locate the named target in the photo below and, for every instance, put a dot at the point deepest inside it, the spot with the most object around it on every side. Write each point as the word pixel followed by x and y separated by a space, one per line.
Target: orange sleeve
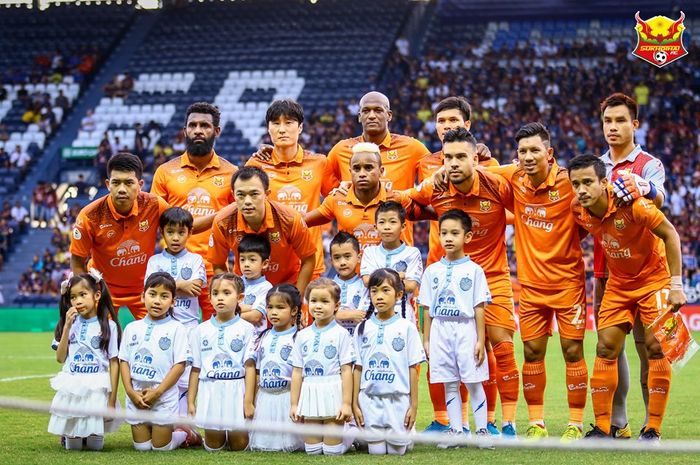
pixel 506 192
pixel 423 193
pixel 645 212
pixel 330 180
pixel 159 182
pixel 218 245
pixel 506 171
pixel 326 208
pixel 490 163
pixel 301 238
pixel 162 205
pixel 420 151
pixel 81 239
pixel 332 168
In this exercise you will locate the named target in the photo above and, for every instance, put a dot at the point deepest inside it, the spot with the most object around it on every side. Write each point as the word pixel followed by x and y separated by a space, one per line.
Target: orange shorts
pixel 500 312
pixel 205 306
pixel 621 304
pixel 538 307
pixel 132 302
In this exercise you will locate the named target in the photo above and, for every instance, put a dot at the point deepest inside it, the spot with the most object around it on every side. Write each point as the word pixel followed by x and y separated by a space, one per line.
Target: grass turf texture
pixel 25 440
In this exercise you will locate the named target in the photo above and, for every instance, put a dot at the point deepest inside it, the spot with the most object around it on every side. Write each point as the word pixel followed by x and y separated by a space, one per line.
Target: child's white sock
pixel 377 448
pixel 477 396
pixel 454 405
pixel 74 443
pixel 396 450
pixel 338 449
pixel 313 449
pixel 94 442
pixel 143 446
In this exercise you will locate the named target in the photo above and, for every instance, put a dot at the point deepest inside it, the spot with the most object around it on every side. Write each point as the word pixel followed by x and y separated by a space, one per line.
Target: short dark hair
pixel 206 108
pixel 178 217
pixel 455 103
pixel 617 99
pixel 391 206
pixel 344 237
pixel 125 162
pixel 253 243
pixel 459 215
pixel 250 172
pixel 161 278
pixel 287 108
pixel 532 130
pixel 459 135
pixel 586 160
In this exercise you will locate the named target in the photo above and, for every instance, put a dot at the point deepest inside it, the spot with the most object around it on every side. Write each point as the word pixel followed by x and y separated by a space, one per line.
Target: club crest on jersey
pixel 211 240
pixel 143 225
pixel 330 352
pixel 401 266
pixel 110 234
pixel 398 344
pixel 218 181
pixel 619 223
pixel 465 284
pixel 553 195
pixel 186 272
pixel 356 300
pixel 95 342
pixel 182 179
pixel 275 236
pixel 307 175
pixel 285 352
pixel 484 205
pixel 347 212
pixel 249 299
pixel 164 343
pixel 205 342
pixel 76 234
pixel 660 39
pixel 236 345
pixel 392 155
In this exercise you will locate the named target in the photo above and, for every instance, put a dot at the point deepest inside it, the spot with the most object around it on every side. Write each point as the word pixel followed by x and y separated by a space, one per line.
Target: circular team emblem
pixel 95 342
pixel 186 273
pixel 465 284
pixel 249 299
pixel 398 344
pixel 285 352
pixel 76 234
pixel 364 339
pixel 401 267
pixel 182 179
pixel 347 212
pixel 236 345
pixel 356 300
pixel 133 338
pixel 205 342
pixel 164 343
pixel 330 352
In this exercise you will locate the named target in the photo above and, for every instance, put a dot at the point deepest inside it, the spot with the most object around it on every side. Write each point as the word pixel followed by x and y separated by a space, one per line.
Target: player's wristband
pixel 652 191
pixel 676 283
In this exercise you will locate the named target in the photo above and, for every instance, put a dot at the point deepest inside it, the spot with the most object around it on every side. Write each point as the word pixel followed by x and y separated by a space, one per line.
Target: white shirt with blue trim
pixel 322 351
pixel 353 295
pixel 84 353
pixel 219 349
pixel 256 296
pixel 271 357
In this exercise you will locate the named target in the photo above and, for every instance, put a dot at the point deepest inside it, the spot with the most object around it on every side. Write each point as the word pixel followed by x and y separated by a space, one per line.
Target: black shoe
pixel 596 433
pixel 641 431
pixel 650 435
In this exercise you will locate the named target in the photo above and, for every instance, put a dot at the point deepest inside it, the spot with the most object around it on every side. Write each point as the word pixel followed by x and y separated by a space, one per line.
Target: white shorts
pixel 167 406
pixel 273 407
pixel 452 342
pixel 220 402
pixel 383 412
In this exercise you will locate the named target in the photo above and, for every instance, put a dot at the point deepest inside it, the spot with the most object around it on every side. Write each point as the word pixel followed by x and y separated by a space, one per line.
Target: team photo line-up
pixel 279 342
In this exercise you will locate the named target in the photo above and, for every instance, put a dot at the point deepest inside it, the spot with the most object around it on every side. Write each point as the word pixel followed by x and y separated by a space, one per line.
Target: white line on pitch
pixel 20 378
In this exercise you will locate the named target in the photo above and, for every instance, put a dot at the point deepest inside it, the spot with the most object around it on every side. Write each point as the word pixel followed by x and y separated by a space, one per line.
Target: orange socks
pixel 508 378
pixel 659 381
pixel 491 388
pixel 603 386
pixel 534 384
pixel 576 390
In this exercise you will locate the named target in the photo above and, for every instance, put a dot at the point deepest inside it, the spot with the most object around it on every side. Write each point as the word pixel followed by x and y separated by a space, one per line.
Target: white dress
pixel 84 382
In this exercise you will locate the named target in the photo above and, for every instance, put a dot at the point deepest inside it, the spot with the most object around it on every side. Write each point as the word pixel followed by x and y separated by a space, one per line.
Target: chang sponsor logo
pixel 379 369
pixel 128 254
pixel 199 202
pixel 292 197
pixel 222 368
pixel 271 378
pixel 84 362
pixel 142 364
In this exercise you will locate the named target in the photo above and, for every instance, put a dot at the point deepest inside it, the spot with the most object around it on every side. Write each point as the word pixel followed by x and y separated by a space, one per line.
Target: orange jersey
pixel 203 193
pixel 486 204
pixel 299 184
pixel 358 219
pixel 547 239
pixel 284 227
pixel 426 168
pixel 119 246
pixel 636 257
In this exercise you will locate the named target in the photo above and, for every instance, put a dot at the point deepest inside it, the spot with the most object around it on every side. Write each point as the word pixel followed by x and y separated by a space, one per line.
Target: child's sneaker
pixel 453 434
pixel 483 439
pixel 508 431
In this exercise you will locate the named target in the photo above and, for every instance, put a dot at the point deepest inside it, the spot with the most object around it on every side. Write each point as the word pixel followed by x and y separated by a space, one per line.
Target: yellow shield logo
pixel 553 195
pixel 484 205
pixel 218 181
pixel 307 175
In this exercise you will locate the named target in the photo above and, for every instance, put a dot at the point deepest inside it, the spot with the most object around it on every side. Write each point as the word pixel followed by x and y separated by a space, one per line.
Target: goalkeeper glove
pixel 630 187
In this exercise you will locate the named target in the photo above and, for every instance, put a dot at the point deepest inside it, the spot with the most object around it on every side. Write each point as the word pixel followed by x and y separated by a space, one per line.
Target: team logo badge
pixel 484 205
pixel 182 179
pixel 285 352
pixel 619 224
pixel 330 352
pixel 76 234
pixel 236 345
pixel 307 175
pixel 401 266
pixel 211 240
pixel 249 299
pixel 133 338
pixel 143 225
pixel 205 342
pixel 95 342
pixel 659 40
pixel 347 212
pixel 465 284
pixel 164 343
pixel 186 272
pixel 110 234
pixel 356 300
pixel 218 181
pixel 392 155
pixel 275 236
pixel 553 195
pixel 398 344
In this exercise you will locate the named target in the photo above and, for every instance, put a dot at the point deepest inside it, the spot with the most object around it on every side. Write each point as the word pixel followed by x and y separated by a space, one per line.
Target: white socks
pixel 94 442
pixel 383 448
pixel 454 405
pixel 477 396
pixel 143 446
pixel 313 449
pixel 177 439
pixel 74 443
pixel 338 449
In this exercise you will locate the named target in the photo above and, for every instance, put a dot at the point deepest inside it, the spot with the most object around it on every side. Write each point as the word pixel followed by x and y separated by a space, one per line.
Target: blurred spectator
pixel 4 159
pixel 61 101
pixel 20 159
pixel 120 86
pixel 21 215
pixel 81 186
pixel 4 135
pixel 88 122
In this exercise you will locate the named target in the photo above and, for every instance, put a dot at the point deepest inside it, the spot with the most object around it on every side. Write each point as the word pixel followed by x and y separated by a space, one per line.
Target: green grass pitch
pixel 25 440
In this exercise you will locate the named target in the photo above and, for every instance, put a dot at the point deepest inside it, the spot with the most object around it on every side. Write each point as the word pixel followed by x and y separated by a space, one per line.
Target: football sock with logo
pixel 508 378
pixel 454 405
pixel 619 408
pixel 577 390
pixel 659 388
pixel 534 384
pixel 603 384
pixel 478 401
pixel 491 387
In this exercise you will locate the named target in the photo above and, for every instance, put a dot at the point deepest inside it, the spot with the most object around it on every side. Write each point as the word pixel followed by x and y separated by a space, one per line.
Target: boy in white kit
pixel 354 296
pixel 390 219
pixel 253 258
pixel 454 291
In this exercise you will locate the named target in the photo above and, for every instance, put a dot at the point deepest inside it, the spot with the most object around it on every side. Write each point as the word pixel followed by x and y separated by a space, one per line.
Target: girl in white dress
pixel 322 357
pixel 218 379
pixel 269 360
pixel 86 342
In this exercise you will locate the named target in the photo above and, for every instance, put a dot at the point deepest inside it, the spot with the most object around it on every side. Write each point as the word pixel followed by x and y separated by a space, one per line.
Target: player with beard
pixel 197 181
